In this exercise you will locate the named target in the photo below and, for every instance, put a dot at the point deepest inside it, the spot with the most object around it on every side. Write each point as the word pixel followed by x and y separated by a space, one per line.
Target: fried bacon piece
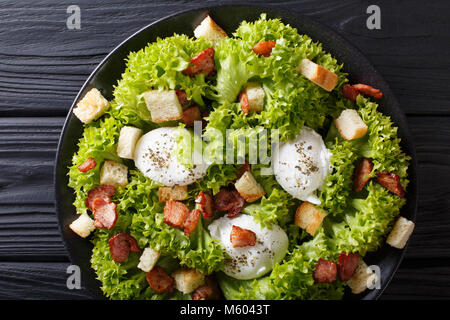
pixel 368 90
pixel 159 280
pixel 229 200
pixel 325 271
pixel 120 246
pixel 87 165
pixel 182 97
pixel 349 92
pixel 206 203
pixel 201 63
pixel 98 192
pixel 191 222
pixel 352 91
pixel 243 99
pixel 190 115
pixel 209 291
pixel 175 213
pixel 240 237
pixel 105 213
pixel 264 48
pixel 360 177
pixel 391 181
pixel 245 167
pixel 347 265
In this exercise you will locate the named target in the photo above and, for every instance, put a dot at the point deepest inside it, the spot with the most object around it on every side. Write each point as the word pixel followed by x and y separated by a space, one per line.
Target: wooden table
pixel 43 64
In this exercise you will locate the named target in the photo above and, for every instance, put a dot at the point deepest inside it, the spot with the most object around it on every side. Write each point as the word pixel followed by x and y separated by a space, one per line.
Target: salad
pixel 241 166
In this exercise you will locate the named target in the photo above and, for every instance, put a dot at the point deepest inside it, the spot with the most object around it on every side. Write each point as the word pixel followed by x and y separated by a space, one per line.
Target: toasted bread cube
pixel 324 78
pixel 308 217
pixel 127 141
pixel 350 125
pixel 83 225
pixel 255 94
pixel 400 233
pixel 249 188
pixel 187 280
pixel 362 278
pixel 163 105
pixel 148 259
pixel 172 193
pixel 209 30
pixel 114 174
pixel 91 107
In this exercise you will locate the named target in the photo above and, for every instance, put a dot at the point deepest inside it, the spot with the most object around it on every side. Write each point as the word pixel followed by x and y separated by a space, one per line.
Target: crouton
pixel 187 280
pixel 350 125
pixel 91 107
pixel 400 233
pixel 172 193
pixel 148 259
pixel 255 96
pixel 362 278
pixel 127 141
pixel 83 225
pixel 209 30
pixel 114 174
pixel 324 78
pixel 308 217
pixel 249 188
pixel 163 105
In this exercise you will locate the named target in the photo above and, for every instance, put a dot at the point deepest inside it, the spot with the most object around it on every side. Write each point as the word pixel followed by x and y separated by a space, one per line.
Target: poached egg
pixel 302 165
pixel 250 262
pixel 154 157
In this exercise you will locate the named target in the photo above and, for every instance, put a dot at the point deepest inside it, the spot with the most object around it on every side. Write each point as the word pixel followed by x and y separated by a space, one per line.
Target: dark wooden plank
pixel 37 280
pixel 28 225
pixel 34 280
pixel 43 64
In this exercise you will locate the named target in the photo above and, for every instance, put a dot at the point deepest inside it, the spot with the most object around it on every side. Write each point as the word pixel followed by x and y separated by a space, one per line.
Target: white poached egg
pixel 250 262
pixel 155 158
pixel 302 165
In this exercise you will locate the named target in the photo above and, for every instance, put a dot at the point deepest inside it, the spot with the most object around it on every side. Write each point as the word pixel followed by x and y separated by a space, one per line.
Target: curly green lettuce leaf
pixel 366 222
pixel 159 66
pixel 336 191
pixel 99 141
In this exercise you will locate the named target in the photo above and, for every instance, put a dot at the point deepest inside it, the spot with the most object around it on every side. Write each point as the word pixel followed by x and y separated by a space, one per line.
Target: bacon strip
pixel 201 63
pixel 368 90
pixel 209 291
pixel 105 213
pixel 175 213
pixel 347 265
pixel 391 181
pixel 264 48
pixel 245 167
pixel 98 192
pixel 182 97
pixel 120 246
pixel 191 222
pixel 206 203
pixel 87 165
pixel 190 115
pixel 361 177
pixel 159 280
pixel 240 237
pixel 229 200
pixel 349 92
pixel 352 91
pixel 325 271
pixel 243 99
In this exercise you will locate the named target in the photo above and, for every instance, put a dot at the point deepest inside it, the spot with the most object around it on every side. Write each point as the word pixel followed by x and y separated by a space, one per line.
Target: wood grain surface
pixel 43 65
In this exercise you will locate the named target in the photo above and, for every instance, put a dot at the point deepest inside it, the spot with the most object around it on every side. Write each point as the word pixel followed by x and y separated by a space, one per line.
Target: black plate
pixel 228 17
